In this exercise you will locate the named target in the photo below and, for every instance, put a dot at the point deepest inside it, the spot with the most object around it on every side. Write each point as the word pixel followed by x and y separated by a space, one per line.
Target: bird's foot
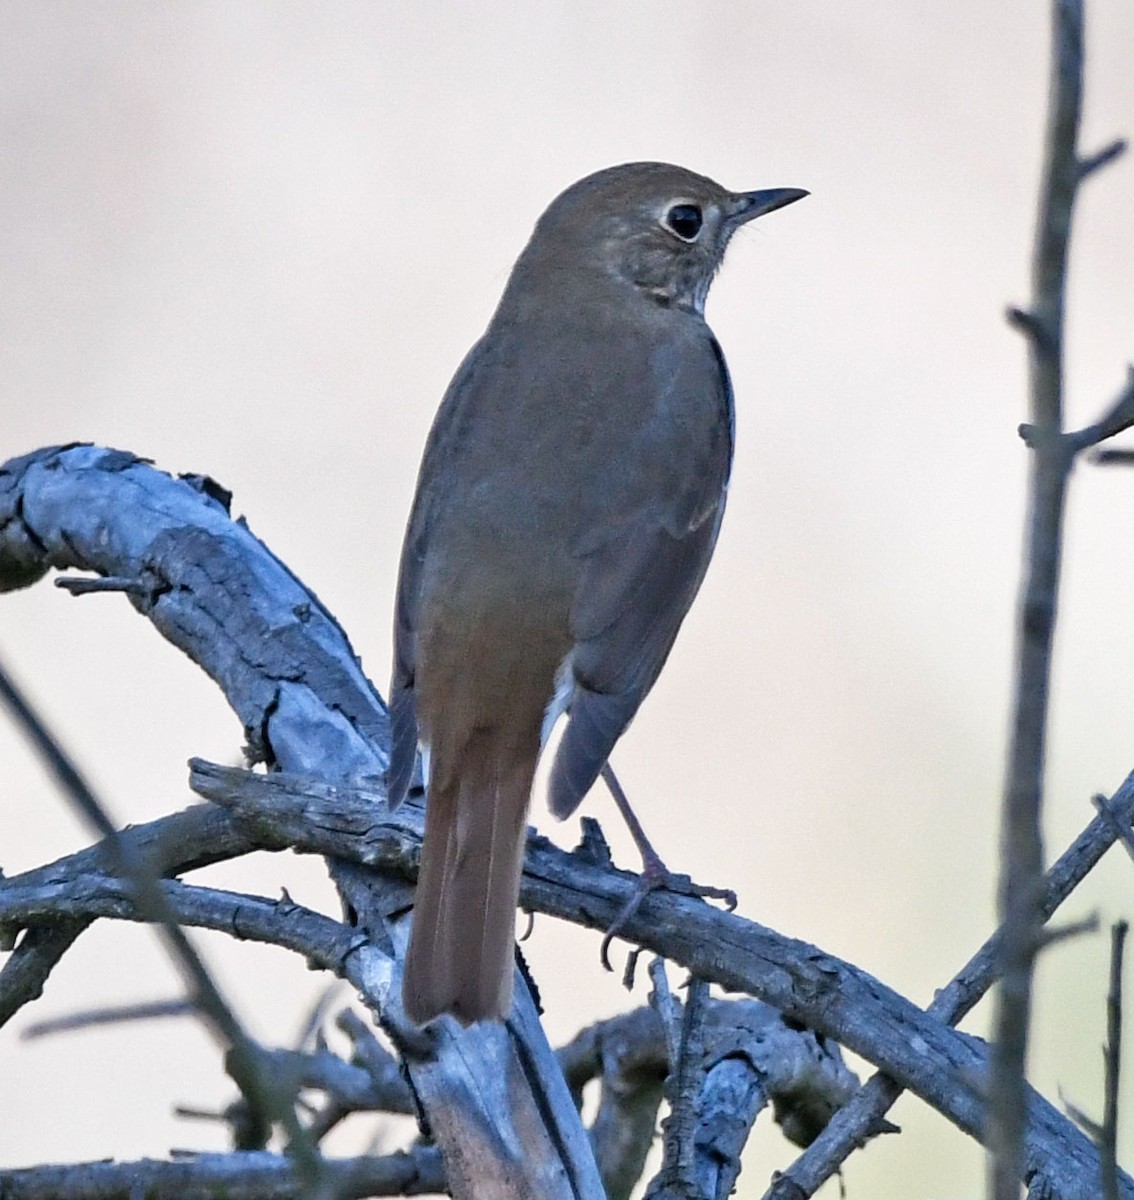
pixel 655 874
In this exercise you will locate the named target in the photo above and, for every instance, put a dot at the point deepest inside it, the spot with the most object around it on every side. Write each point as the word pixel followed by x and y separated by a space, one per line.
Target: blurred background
pixel 255 241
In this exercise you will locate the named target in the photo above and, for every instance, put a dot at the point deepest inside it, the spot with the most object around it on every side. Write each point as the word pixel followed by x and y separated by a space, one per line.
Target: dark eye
pixel 685 221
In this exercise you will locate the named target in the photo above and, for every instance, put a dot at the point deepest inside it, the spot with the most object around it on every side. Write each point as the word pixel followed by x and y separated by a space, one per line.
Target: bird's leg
pixel 655 874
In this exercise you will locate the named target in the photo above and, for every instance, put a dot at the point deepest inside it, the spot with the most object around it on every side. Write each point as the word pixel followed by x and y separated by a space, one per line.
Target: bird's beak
pixel 751 205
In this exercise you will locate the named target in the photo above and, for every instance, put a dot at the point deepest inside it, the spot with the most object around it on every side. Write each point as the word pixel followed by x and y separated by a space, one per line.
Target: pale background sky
pixel 254 240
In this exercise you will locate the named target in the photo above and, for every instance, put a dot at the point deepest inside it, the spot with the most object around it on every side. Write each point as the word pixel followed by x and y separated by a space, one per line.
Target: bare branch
pixel 1021 871
pixel 26 970
pixel 814 988
pixel 806 984
pixel 326 943
pixel 810 987
pixel 109 1015
pixel 380 1064
pixel 802 981
pixel 1101 158
pixel 680 1175
pixel 753 1055
pixel 248 1176
pixel 177 843
pixel 1118 418
pixel 1105 1134
pixel 210 587
pixel 1109 1140
pixel 354 1087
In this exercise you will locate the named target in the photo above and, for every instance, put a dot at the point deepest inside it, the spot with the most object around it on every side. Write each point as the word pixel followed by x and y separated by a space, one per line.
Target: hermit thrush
pixel 566 510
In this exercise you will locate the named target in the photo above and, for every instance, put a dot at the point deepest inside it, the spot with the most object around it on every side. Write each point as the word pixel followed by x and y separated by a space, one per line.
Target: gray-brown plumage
pixel 567 506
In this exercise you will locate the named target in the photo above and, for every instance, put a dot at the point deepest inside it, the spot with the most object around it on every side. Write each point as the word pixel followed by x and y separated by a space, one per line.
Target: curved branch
pixel 211 588
pixel 180 842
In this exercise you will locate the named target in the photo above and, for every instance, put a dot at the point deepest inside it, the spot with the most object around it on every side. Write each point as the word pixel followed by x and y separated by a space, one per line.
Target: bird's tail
pixel 461 951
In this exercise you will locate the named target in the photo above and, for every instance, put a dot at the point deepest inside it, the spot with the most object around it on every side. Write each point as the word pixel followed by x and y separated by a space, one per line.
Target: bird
pixel 567 505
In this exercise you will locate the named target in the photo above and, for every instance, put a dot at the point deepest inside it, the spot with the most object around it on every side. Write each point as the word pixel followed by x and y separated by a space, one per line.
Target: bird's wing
pixel 637 585
pixel 448 427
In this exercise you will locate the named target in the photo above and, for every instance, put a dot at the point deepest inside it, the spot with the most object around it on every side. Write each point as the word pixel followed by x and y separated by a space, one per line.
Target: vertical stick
pixel 1021 869
pixel 1108 1147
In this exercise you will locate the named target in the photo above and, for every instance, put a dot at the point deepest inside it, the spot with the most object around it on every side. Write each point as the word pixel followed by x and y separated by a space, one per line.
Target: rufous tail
pixel 461 952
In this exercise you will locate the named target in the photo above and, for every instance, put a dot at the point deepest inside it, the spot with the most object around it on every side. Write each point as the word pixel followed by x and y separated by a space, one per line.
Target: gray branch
pixel 210 587
pixel 1021 841
pixel 259 1175
pixel 754 1056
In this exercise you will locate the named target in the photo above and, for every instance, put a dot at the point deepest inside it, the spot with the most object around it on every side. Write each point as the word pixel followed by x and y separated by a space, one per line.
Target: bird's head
pixel 659 227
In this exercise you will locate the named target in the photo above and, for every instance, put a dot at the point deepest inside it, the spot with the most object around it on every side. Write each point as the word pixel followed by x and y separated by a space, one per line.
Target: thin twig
pixel 668 1008
pixel 110 1015
pixel 1021 872
pixel 1084 1120
pixel 309 1030
pixel 1067 933
pixel 1101 158
pixel 84 585
pixel 1031 326
pixel 1108 1149
pixel 1118 418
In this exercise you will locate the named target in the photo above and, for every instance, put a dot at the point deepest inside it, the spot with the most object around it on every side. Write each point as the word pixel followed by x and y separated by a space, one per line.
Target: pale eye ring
pixel 685 220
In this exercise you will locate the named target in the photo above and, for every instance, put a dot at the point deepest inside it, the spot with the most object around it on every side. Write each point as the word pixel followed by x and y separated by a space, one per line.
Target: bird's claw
pixel 656 875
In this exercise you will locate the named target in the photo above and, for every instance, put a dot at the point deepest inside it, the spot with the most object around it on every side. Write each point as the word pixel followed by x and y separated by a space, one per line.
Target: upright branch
pixel 1021 869
pixel 1113 1053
